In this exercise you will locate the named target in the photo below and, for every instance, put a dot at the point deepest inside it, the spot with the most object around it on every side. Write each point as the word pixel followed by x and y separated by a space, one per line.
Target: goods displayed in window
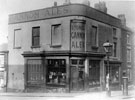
pixel 56 71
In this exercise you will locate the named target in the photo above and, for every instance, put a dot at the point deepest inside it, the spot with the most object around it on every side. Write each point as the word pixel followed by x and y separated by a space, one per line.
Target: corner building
pixel 60 49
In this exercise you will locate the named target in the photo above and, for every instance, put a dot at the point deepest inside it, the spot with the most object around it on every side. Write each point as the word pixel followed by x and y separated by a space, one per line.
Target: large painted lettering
pixel 39 14
pixel 77 36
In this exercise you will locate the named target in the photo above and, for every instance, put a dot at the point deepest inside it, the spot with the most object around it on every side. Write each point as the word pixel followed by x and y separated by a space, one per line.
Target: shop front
pixel 115 74
pixel 64 72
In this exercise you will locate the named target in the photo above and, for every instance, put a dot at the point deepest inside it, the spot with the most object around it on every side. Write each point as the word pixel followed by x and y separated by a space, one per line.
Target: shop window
pixel 35 36
pixel 94 73
pixel 56 35
pixel 94 38
pixel 17 38
pixel 114 74
pixel 56 71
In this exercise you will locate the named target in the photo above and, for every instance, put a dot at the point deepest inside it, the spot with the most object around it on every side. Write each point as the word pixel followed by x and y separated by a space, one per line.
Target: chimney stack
pixel 55 4
pixel 122 18
pixel 67 2
pixel 101 6
pixel 86 2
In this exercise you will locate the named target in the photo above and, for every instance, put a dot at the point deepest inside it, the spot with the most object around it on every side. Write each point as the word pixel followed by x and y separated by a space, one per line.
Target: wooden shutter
pixel 35 72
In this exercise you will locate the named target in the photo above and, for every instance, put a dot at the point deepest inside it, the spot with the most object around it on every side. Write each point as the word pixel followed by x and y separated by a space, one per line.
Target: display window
pixel 114 74
pixel 56 71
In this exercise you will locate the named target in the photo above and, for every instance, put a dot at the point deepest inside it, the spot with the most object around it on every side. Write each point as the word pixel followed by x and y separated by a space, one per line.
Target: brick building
pixel 60 49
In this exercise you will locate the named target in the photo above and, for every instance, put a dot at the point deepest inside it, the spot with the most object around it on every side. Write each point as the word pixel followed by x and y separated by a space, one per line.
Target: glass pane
pixel 94 36
pixel 36 31
pixel 35 41
pixel 56 35
pixel 17 38
pixel 57 73
pixel 74 61
pixel 81 62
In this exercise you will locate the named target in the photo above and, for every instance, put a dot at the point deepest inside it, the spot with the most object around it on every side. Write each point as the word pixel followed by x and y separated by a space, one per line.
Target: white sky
pixel 114 7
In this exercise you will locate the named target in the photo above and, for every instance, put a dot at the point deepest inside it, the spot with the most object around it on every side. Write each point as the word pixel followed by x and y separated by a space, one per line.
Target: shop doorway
pixel 77 75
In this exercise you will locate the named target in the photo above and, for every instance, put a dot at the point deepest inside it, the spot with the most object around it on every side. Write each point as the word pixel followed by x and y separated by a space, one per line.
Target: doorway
pixel 77 75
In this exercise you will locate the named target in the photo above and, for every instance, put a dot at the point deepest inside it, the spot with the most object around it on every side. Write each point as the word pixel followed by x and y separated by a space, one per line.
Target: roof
pixel 64 11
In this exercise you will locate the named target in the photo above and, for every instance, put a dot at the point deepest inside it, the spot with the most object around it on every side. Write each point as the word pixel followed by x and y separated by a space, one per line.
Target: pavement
pixel 115 95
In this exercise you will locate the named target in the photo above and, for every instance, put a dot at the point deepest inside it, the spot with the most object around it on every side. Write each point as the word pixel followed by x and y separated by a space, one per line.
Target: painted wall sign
pixel 39 14
pixel 61 11
pixel 77 35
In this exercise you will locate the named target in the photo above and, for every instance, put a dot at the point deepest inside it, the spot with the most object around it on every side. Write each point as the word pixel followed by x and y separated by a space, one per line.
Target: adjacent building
pixel 60 49
pixel 3 66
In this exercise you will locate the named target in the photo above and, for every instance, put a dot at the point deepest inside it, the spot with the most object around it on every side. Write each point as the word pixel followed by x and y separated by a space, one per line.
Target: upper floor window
pixel 115 49
pixel 128 39
pixel 129 55
pixel 56 35
pixel 114 32
pixel 17 38
pixel 35 36
pixel 94 37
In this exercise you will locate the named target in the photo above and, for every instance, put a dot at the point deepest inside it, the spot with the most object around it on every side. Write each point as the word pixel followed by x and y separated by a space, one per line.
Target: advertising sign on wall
pixel 77 35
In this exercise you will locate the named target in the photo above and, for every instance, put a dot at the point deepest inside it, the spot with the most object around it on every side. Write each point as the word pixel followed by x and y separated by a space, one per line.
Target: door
pixel 77 75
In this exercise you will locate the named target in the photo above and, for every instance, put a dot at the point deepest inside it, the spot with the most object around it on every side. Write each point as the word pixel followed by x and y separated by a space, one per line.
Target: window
pixel 129 55
pixel 56 35
pixel 114 42
pixel 35 36
pixel 114 74
pixel 128 39
pixel 94 36
pixel 114 32
pixel 17 38
pixel 115 49
pixel 94 73
pixel 56 72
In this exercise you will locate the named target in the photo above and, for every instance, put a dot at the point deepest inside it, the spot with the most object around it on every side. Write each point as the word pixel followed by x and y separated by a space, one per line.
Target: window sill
pixel 56 84
pixel 17 47
pixel 55 46
pixel 35 46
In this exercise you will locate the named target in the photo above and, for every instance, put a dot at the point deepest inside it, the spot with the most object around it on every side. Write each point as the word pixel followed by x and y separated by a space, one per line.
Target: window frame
pixel 129 58
pixel 95 42
pixel 114 33
pixel 14 44
pixel 114 49
pixel 38 36
pixel 58 68
pixel 52 33
pixel 128 39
